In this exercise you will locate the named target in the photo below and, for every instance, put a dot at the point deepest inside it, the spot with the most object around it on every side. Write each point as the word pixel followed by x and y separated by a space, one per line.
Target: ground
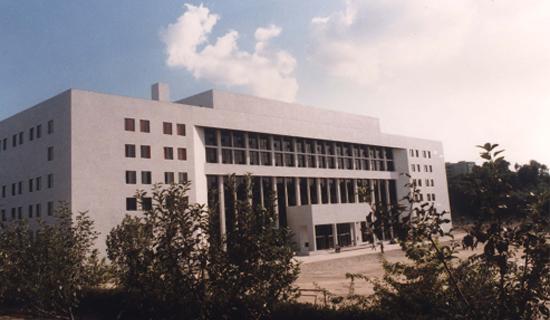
pixel 328 271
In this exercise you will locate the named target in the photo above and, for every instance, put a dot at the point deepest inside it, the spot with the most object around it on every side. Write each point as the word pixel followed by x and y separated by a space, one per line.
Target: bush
pixel 45 269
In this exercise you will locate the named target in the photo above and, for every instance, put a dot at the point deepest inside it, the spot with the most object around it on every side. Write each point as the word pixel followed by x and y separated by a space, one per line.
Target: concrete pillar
pixel 247 149
pixel 297 191
pixel 313 243
pixel 221 200
pixel 335 234
pixel 338 194
pixel 308 196
pixel 219 143
pixel 388 201
pixel 262 200
pixel 274 189
pixel 318 190
pixel 356 193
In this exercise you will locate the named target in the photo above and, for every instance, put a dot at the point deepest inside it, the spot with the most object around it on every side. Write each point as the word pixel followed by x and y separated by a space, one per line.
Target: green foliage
pixel 173 263
pixel 510 279
pixel 45 269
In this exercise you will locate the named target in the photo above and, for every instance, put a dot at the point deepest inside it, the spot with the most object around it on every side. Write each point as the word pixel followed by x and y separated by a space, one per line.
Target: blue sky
pixel 463 72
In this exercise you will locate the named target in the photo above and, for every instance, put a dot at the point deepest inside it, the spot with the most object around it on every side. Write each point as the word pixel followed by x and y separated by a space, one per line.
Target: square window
pixel 129 124
pixel 131 204
pixel 146 203
pixel 180 129
pixel 240 157
pixel 168 153
pixel 182 154
pixel 168 177
pixel 255 157
pixel 130 150
pixel 144 126
pixel 145 152
pixel 146 177
pixel 182 177
pixel 131 177
pixel 167 127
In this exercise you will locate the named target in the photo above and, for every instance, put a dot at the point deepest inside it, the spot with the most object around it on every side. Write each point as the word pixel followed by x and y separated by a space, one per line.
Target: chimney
pixel 160 92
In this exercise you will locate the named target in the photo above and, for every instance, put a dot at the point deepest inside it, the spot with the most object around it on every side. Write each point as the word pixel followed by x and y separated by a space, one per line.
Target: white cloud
pixel 266 72
pixel 459 71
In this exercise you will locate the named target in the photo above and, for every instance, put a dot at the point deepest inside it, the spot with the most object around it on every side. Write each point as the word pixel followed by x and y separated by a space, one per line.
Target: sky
pixel 462 72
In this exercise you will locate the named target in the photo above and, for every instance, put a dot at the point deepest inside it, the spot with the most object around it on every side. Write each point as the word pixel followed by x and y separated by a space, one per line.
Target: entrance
pixel 323 237
pixel 344 234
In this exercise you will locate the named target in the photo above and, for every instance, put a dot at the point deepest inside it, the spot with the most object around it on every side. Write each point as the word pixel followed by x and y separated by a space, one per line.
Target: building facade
pixel 459 168
pixel 93 151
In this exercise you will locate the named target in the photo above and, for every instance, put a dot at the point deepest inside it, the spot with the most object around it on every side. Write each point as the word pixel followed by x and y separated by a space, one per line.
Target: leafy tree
pixel 46 269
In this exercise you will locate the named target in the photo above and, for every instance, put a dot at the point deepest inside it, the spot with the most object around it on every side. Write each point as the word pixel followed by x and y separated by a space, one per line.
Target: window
pixel 49 208
pixel 50 127
pixel 418 168
pixel 20 213
pixel 146 203
pixel 144 126
pixel 167 127
pixel 146 177
pixel 431 169
pixel 433 196
pixel 13 185
pixel 416 152
pixel 168 177
pixel 429 196
pixel 20 137
pixel 50 153
pixel 429 154
pixel 3 191
pixel 131 204
pixel 131 177
pixel 182 154
pixel 31 134
pixel 255 158
pixel 145 152
pixel 180 128
pixel 211 155
pixel 4 215
pixel 129 124
pixel 31 183
pixel 210 137
pixel 38 183
pixel 38 131
pixel 227 156
pixel 168 153
pixel 50 181
pixel 130 150
pixel 239 156
pixel 413 167
pixel 31 207
pixel 182 177
pixel 424 153
pixel 19 187
pixel 14 140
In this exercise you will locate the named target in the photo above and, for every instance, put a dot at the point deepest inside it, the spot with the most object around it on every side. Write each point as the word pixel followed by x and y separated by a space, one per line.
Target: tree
pixel 46 269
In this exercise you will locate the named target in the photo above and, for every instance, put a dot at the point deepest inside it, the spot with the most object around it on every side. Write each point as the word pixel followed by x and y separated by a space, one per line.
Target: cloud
pixel 265 72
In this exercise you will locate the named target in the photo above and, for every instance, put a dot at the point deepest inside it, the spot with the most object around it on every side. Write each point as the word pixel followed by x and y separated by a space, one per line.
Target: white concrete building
pixel 95 150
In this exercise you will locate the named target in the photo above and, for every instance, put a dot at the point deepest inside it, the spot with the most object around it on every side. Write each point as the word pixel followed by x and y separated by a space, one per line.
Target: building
pixel 95 150
pixel 459 168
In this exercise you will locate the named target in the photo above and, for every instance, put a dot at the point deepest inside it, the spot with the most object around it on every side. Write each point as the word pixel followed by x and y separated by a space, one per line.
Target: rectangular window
pixel 13 188
pixel 38 131
pixel 255 157
pixel 210 138
pixel 145 152
pixel 31 184
pixel 20 137
pixel 167 127
pixel 146 203
pixel 144 126
pixel 50 153
pixel 227 156
pixel 50 127
pixel 50 181
pixel 3 191
pixel 129 124
pixel 146 177
pixel 4 218
pixel 49 208
pixel 131 204
pixel 20 187
pixel 239 156
pixel 31 207
pixel 433 196
pixel 130 150
pixel 20 213
pixel 31 134
pixel 182 177
pixel 413 167
pixel 265 158
pixel 38 183
pixel 168 153
pixel 429 154
pixel 182 154
pixel 131 177
pixel 14 141
pixel 168 177
pixel 211 155
pixel 180 129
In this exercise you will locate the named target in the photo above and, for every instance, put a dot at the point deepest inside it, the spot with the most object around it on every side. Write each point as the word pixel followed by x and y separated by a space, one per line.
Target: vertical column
pixel 297 191
pixel 335 234
pixel 247 150
pixel 272 149
pixel 262 200
pixel 308 196
pixel 318 189
pixel 275 190
pixel 388 202
pixel 356 193
pixel 338 195
pixel 313 244
pixel 219 144
pixel 372 203
pixel 221 200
